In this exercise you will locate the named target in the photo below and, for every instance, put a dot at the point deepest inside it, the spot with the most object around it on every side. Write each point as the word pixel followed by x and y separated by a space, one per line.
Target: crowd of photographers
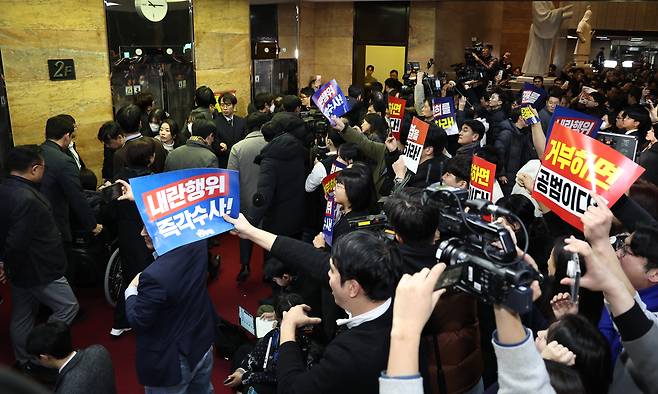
pixel 389 302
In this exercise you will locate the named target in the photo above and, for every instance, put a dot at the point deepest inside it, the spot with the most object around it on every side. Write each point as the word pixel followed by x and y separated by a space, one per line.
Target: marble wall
pixel 326 48
pixel 222 47
pixel 33 31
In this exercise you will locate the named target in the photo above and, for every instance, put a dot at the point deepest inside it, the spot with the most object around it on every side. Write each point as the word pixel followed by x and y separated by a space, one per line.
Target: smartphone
pixel 573 271
pixel 111 192
pixel 500 74
pixel 451 276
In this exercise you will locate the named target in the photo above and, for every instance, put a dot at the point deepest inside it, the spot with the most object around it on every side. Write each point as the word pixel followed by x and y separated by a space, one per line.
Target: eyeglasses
pixel 225 105
pixel 625 250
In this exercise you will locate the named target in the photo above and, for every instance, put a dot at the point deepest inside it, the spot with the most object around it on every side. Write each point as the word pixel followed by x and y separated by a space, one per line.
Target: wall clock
pixel 152 10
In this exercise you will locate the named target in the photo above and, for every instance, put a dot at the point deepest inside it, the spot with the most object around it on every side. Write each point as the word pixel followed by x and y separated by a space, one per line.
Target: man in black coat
pixel 363 273
pixel 279 198
pixel 31 248
pixel 61 181
pixel 81 371
pixel 230 129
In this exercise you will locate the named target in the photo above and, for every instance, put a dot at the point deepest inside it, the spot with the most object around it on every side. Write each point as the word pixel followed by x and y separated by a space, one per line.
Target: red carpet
pixel 94 325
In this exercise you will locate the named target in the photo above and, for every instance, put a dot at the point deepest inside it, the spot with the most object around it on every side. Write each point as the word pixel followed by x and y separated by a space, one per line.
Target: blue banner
pixel 534 96
pixel 443 109
pixel 181 207
pixel 575 121
pixel 331 101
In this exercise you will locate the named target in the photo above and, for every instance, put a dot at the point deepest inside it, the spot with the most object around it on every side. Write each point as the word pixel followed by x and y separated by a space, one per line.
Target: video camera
pixel 431 84
pixel 470 70
pixel 316 125
pixel 483 253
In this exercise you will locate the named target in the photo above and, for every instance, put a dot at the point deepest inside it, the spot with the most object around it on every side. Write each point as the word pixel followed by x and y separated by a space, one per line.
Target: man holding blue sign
pixel 331 101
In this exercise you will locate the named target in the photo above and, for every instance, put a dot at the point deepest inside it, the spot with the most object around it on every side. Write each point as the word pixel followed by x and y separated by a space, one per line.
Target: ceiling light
pixel 609 63
pixel 627 63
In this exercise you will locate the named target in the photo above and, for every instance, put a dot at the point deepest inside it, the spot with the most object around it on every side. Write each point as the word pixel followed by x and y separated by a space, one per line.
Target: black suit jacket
pixel 89 371
pixel 172 314
pixel 229 135
pixel 30 243
pixel 61 185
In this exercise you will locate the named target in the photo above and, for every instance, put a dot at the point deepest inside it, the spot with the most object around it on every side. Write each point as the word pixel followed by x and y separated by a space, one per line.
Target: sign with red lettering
pixel 395 115
pixel 573 166
pixel 181 207
pixel 483 177
pixel 415 141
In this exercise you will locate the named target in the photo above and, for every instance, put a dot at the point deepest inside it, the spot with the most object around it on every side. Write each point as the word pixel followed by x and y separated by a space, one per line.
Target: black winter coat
pixel 280 196
pixel 515 148
pixel 230 135
pixel 30 243
pixel 649 160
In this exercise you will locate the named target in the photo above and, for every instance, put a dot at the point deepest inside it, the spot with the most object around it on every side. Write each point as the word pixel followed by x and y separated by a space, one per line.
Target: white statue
pixel 546 21
pixel 585 33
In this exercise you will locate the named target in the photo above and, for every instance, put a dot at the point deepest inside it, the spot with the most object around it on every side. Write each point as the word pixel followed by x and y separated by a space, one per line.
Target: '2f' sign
pixel 61 69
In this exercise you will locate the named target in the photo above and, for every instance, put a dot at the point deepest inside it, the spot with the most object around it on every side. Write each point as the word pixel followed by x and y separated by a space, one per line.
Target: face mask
pixel 154 127
pixel 272 107
pixel 189 127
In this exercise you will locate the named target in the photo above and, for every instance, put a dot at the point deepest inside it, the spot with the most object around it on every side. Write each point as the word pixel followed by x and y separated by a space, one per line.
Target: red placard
pixel 573 166
pixel 483 177
pixel 415 141
pixel 395 115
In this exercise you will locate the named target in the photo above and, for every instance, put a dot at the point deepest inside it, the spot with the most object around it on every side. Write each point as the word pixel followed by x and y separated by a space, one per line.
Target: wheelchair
pixel 95 262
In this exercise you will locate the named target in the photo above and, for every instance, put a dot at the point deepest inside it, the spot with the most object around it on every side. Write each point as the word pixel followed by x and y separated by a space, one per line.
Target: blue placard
pixel 331 101
pixel 443 109
pixel 574 120
pixel 181 207
pixel 534 96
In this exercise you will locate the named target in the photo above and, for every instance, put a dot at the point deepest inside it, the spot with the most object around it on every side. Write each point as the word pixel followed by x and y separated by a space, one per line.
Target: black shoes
pixel 243 274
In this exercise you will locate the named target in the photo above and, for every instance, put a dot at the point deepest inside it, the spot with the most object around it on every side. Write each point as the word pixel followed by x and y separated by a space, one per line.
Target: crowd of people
pixel 357 312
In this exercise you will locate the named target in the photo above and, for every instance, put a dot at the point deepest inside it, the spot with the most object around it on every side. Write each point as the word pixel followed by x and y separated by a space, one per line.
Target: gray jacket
pixel 241 159
pixel 194 154
pixel 89 371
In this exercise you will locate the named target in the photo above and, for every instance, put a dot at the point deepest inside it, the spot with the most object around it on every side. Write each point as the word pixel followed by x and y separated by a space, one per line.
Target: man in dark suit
pixel 81 371
pixel 169 308
pixel 31 248
pixel 363 273
pixel 61 180
pixel 128 118
pixel 230 129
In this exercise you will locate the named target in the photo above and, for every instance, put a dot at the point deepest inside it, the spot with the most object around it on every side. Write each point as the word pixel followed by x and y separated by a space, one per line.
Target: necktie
pixel 230 122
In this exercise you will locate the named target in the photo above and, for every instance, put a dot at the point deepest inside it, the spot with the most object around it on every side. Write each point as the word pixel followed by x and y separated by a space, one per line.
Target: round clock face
pixel 153 10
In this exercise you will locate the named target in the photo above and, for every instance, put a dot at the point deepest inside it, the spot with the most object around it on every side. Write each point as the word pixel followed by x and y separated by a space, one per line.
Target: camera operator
pixel 363 271
pixel 456 361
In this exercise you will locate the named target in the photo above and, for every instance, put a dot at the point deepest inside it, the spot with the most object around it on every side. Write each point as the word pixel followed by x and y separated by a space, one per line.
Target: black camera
pixel 431 84
pixel 316 125
pixel 378 223
pixel 486 251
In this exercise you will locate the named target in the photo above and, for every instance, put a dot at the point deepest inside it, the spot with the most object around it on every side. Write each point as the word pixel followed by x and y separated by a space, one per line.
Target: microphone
pixel 486 205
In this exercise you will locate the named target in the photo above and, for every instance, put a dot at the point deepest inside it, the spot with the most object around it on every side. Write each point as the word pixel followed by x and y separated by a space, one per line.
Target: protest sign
pixel 331 209
pixel 575 165
pixel 529 116
pixel 395 115
pixel 574 120
pixel 532 96
pixel 415 141
pixel 443 109
pixel 331 101
pixel 482 179
pixel 181 207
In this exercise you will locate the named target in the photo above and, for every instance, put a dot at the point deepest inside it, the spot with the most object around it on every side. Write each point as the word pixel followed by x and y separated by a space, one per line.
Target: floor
pixel 94 325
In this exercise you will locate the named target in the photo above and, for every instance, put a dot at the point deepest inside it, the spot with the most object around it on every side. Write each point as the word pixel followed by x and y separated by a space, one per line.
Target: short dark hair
pixel 539 77
pixel 88 179
pixel 476 126
pixel 644 194
pixel 109 131
pixel 58 126
pixel 203 128
pixel 348 151
pixel 291 102
pixel 414 222
pixel 643 244
pixel 140 151
pixel 21 158
pixel 336 138
pixel 228 98
pixel 370 67
pixel 129 118
pixel 376 87
pixel 358 184
pixel 275 268
pixel 639 114
pixel 393 71
pixel 460 167
pixel 144 100
pixel 393 83
pixel 377 123
pixel 355 91
pixel 285 301
pixel 370 260
pixel 515 114
pixel 555 92
pixel 51 338
pixel 199 113
pixel 204 97
pixel 436 138
pixel 261 100
pixel 256 120
pixel 158 114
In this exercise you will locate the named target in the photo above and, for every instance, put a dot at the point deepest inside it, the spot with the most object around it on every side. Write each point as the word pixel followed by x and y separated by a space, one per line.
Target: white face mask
pixel 154 127
pixel 189 127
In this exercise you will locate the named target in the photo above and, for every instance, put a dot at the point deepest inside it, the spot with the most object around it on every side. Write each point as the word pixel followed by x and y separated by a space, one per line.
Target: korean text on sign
pixel 443 110
pixel 483 175
pixel 395 115
pixel 415 141
pixel 575 165
pixel 330 100
pixel 180 207
pixel 574 120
